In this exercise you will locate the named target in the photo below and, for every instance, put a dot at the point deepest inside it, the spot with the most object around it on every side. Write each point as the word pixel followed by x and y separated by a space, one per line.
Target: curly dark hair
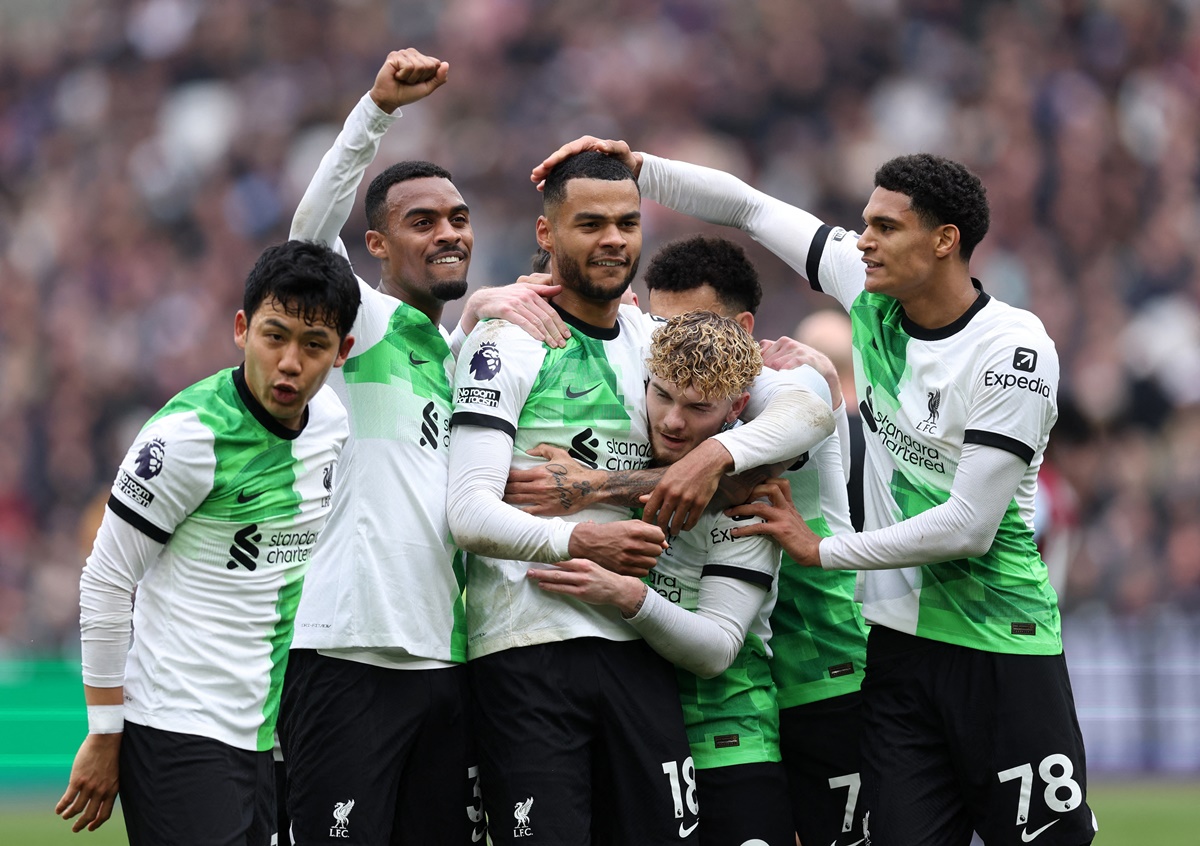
pixel 942 191
pixel 589 164
pixel 309 280
pixel 688 263
pixel 376 201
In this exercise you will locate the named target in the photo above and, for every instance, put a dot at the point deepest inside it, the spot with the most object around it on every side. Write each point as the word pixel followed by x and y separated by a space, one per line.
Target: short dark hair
pixel 309 280
pixel 589 164
pixel 377 191
pixel 688 263
pixel 942 191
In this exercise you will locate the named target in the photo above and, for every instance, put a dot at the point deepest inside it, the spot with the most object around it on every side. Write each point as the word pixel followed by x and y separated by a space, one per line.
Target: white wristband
pixel 106 719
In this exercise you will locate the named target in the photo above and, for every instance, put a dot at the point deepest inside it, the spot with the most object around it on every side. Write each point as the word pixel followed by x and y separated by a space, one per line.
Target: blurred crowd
pixel 149 150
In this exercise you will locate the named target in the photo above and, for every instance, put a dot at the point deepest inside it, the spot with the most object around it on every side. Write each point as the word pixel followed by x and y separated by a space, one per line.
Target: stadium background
pixel 149 149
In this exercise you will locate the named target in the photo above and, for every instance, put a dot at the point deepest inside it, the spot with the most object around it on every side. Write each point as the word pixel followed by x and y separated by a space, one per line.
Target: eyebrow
pixel 423 212
pixel 880 218
pixel 309 328
pixel 590 215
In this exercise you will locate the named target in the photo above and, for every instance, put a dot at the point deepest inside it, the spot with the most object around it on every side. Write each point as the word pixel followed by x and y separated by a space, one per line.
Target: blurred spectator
pixel 149 150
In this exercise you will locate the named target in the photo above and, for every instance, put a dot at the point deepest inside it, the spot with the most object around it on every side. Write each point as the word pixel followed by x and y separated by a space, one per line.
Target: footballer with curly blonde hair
pixel 705 605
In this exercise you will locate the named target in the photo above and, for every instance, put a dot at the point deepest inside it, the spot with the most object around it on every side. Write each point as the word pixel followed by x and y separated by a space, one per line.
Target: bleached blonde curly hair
pixel 702 351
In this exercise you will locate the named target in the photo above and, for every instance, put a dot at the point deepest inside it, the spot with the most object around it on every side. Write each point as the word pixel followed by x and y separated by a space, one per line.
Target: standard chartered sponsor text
pixel 907 448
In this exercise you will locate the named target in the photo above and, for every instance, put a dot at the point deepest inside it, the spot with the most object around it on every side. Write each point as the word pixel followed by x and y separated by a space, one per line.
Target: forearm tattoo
pixel 614 487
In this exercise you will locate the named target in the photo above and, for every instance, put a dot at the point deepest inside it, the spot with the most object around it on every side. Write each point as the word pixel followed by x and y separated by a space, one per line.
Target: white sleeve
pixel 783 419
pixel 706 641
pixel 480 521
pixel 826 256
pixel 963 526
pixel 118 561
pixel 456 340
pixel 329 198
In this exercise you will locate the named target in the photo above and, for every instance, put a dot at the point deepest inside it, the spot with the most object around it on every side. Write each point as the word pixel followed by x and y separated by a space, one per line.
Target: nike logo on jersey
pixel 685 830
pixel 412 359
pixel 577 394
pixel 243 499
pixel 1026 837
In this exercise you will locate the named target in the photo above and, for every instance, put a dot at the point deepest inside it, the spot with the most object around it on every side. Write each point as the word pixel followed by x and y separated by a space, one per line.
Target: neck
pixel 429 306
pixel 935 306
pixel 602 313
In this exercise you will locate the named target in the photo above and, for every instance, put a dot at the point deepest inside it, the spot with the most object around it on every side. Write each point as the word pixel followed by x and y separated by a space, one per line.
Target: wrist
pixel 106 719
pixel 579 542
pixel 717 455
pixel 388 107
pixel 633 609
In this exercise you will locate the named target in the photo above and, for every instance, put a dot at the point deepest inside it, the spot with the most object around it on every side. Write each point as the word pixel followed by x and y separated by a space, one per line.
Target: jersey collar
pixel 261 414
pixel 920 333
pixel 600 333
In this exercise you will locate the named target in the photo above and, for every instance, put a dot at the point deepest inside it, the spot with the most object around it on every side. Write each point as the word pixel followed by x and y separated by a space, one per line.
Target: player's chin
pixel 449 289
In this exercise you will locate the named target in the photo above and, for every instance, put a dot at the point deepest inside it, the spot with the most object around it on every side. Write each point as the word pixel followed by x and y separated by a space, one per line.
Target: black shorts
pixel 378 756
pixel 184 788
pixel 745 803
pixel 820 746
pixel 957 738
pixel 583 741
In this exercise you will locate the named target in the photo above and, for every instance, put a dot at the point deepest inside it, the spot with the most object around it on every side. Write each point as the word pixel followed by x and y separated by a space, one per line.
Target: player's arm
pixel 963 526
pixel 405 77
pixel 703 642
pixel 562 485
pixel 164 476
pixel 482 522
pixel 119 559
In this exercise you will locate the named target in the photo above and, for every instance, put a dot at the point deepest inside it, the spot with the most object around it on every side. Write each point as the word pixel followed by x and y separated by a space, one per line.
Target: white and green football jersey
pixel 732 718
pixel 588 398
pixel 388 577
pixel 386 584
pixel 989 378
pixel 819 640
pixel 237 499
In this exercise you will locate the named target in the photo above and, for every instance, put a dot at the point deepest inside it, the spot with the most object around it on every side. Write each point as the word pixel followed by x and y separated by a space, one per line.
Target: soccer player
pixel 211 519
pixel 700 368
pixel 969 720
pixel 819 640
pixel 374 726
pixel 564 689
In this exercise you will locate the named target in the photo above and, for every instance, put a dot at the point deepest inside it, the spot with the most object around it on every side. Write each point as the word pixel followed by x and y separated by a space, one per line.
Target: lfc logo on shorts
pixel 341 818
pixel 521 815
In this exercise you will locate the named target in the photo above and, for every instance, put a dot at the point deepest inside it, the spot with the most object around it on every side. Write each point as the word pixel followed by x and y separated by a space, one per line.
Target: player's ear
pixel 746 320
pixel 542 230
pixel 376 245
pixel 344 351
pixel 947 238
pixel 738 406
pixel 241 328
